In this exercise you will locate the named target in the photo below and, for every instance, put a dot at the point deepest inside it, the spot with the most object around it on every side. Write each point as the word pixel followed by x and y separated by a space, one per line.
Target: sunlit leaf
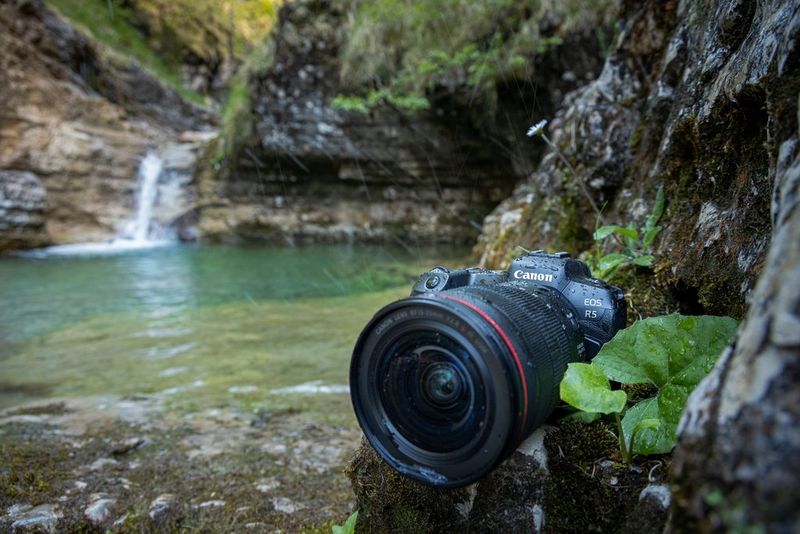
pixel 643 261
pixel 586 388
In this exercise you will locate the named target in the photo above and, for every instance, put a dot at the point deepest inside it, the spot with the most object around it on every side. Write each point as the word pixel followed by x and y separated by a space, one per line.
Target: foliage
pixel 349 526
pixel 160 35
pixel 672 352
pixel 636 243
pixel 406 48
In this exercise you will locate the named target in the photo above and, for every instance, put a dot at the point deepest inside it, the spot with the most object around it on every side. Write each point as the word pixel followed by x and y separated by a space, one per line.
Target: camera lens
pixel 445 385
pixel 441 384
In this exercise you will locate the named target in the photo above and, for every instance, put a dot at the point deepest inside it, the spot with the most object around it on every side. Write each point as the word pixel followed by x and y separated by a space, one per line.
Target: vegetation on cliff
pixel 187 44
pixel 403 53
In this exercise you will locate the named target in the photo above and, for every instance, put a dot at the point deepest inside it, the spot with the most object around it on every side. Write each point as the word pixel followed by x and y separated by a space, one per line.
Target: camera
pixel 448 382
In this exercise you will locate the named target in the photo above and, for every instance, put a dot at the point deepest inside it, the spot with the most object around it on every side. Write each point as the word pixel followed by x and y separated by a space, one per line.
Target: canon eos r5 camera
pixel 448 382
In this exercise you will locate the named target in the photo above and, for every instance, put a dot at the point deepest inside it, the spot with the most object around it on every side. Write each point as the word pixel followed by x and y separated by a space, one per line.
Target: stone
pixel 23 202
pixel 286 505
pixel 299 170
pixel 679 104
pixel 161 506
pixel 738 453
pixel 559 479
pixel 99 510
pixel 42 518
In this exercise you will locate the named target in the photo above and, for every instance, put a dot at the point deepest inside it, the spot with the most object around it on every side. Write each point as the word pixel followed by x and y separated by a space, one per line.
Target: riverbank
pixel 127 464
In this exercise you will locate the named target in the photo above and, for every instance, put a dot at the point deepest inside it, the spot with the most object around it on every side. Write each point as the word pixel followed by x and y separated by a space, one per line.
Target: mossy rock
pixel 565 478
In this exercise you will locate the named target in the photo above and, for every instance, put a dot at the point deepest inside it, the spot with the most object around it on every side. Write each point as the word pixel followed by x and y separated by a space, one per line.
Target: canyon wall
pixel 75 121
pixel 304 170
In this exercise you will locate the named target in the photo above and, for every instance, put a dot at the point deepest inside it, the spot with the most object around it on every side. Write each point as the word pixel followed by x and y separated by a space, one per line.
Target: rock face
pixel 697 97
pixel 23 201
pixel 309 172
pixel 80 119
pixel 739 451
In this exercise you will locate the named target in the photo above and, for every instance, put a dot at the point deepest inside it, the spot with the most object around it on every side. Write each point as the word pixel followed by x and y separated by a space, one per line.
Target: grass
pixel 110 27
pixel 407 48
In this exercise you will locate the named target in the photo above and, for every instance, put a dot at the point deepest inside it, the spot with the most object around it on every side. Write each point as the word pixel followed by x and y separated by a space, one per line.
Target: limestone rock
pixel 23 201
pixel 696 96
pixel 305 171
pixel 738 454
pixel 80 119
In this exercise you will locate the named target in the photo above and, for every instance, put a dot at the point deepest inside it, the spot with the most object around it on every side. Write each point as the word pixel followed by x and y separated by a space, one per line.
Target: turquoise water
pixel 196 325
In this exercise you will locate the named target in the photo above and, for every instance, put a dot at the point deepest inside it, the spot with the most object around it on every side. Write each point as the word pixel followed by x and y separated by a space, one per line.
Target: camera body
pixel 447 382
pixel 599 307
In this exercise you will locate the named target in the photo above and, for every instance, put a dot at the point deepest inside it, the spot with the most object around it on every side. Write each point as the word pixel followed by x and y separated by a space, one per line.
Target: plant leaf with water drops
pixel 585 387
pixel 674 353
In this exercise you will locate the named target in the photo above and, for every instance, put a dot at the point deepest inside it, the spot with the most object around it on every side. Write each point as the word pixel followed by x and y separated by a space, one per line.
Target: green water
pixel 195 326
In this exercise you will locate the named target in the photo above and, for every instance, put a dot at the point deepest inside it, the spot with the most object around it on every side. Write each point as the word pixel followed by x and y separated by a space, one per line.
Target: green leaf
pixel 605 231
pixel 611 261
pixel 658 210
pixel 349 526
pixel 643 261
pixel 631 236
pixel 649 236
pixel 674 353
pixel 643 434
pixel 582 417
pixel 585 387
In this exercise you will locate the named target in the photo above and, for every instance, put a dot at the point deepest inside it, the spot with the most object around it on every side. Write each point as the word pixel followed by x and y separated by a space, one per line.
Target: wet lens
pixel 441 384
pixel 445 385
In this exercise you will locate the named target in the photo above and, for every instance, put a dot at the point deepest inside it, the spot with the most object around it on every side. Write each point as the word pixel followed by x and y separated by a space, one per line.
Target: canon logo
pixel 537 277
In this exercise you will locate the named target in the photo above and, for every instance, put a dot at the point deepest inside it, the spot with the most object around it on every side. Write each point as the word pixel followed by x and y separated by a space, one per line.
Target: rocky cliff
pixel 306 171
pixel 75 120
pixel 699 97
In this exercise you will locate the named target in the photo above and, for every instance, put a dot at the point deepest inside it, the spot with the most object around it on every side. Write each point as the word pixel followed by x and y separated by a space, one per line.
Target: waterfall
pixel 139 229
pixel 140 232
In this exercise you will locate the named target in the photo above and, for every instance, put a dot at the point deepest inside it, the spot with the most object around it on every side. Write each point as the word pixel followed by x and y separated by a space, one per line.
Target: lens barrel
pixel 447 384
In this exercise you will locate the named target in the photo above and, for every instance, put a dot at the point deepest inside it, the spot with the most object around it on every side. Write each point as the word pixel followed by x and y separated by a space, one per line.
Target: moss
pixel 112 29
pixel 390 502
pixel 584 496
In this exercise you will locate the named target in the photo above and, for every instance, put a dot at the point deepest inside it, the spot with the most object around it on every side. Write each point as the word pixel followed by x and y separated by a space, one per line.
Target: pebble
pixel 100 463
pixel 99 510
pixel 41 518
pixel 161 505
pixel 216 503
pixel 286 505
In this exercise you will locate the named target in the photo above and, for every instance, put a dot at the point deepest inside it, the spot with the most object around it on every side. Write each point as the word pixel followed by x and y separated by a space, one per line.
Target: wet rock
pixel 100 509
pixel 683 104
pixel 161 506
pixel 738 453
pixel 23 201
pixel 42 518
pixel 559 480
